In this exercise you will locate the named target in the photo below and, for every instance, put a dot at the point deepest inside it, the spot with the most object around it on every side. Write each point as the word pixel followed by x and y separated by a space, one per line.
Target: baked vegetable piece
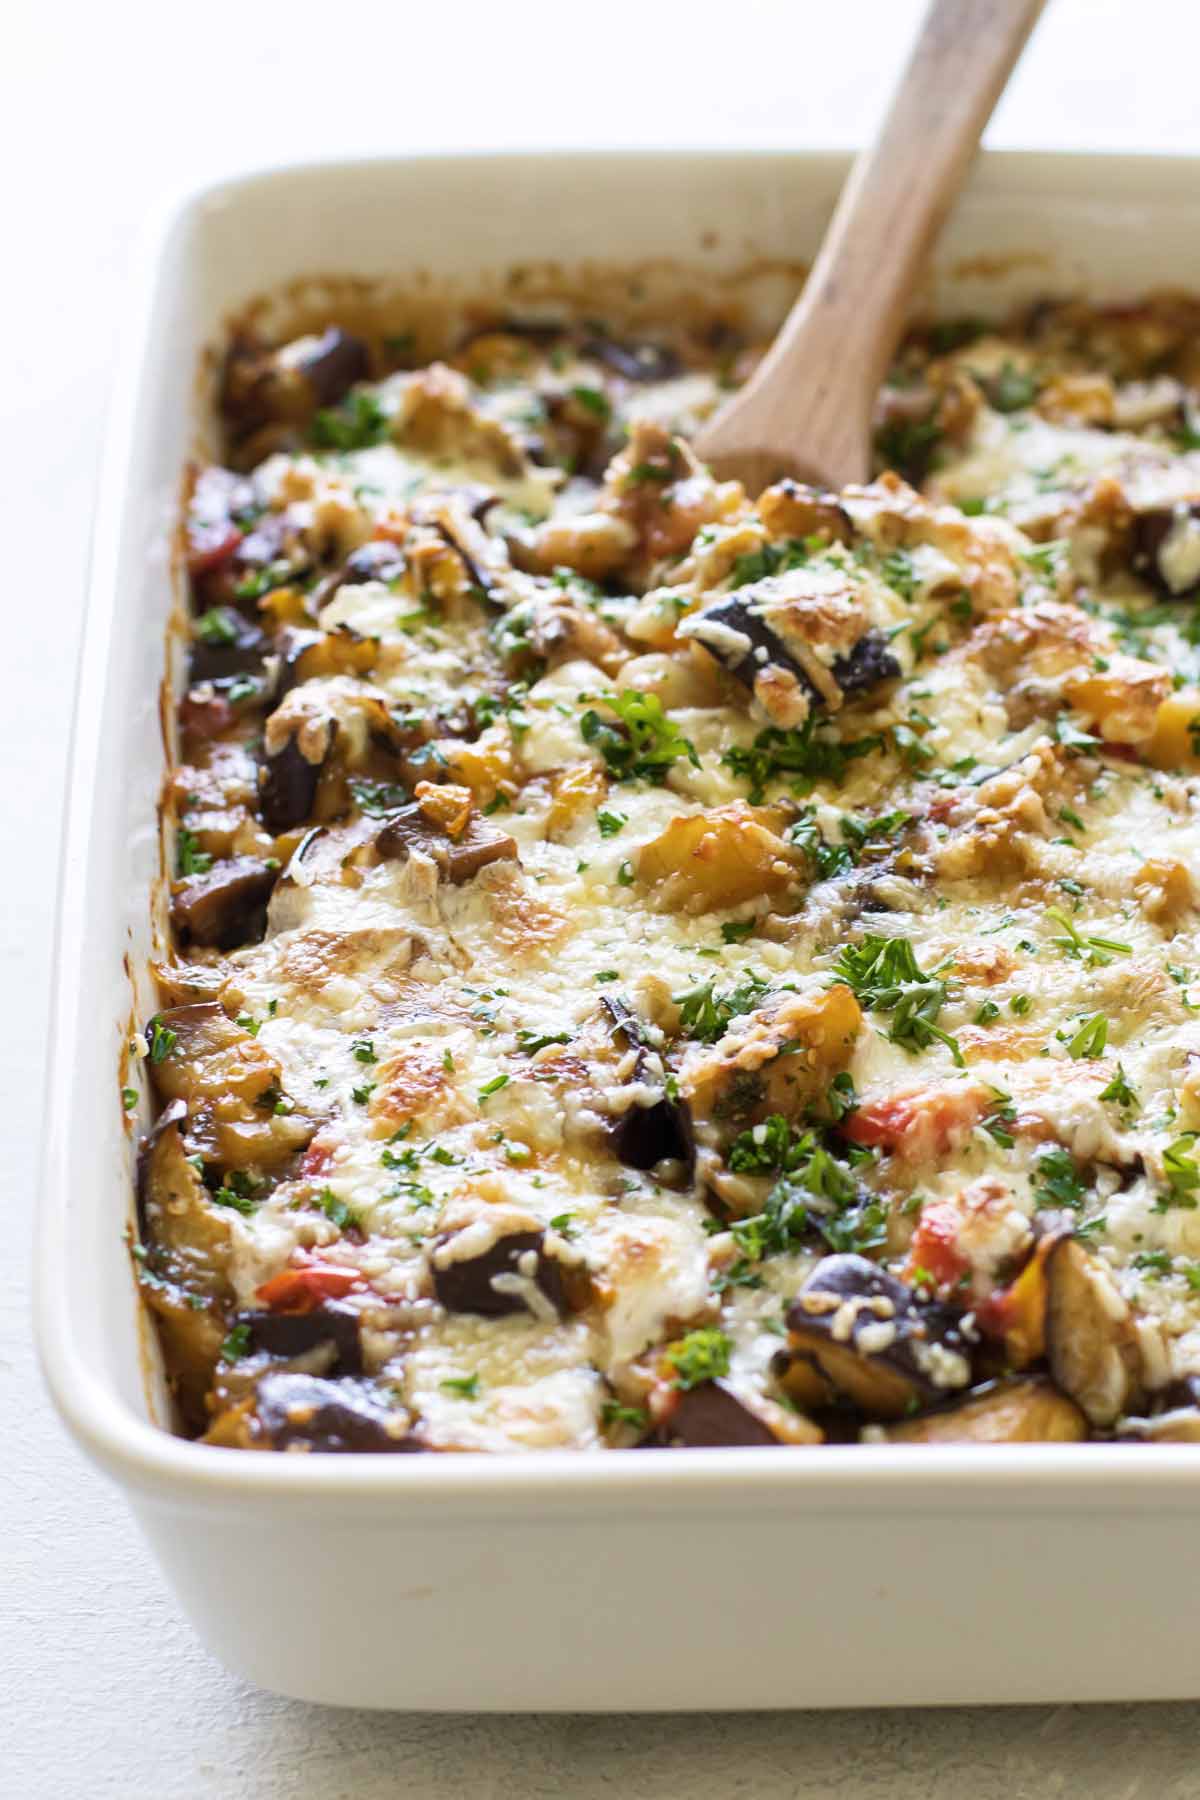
pixel 656 966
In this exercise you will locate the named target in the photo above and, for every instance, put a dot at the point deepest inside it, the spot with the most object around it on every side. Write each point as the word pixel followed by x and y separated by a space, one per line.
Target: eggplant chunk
pixel 297 1334
pixel 457 858
pixel 288 384
pixel 633 362
pixel 749 637
pixel 234 645
pixel 711 1416
pixel 513 1274
pixel 1091 1342
pixel 183 1262
pixel 187 1234
pixel 308 655
pixel 226 906
pixel 287 783
pixel 306 1412
pixel 231 1085
pixel 657 1125
pixel 1166 548
pixel 875 1344
pixel 1029 1410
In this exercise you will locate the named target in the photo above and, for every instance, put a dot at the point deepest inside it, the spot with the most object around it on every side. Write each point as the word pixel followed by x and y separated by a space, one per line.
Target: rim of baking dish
pixel 148 1458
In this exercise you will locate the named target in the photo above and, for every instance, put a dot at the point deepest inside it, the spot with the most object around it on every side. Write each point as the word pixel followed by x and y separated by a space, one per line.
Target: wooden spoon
pixel 806 410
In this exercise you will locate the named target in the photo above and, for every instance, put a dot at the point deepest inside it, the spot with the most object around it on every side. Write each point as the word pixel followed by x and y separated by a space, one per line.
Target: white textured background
pixel 104 108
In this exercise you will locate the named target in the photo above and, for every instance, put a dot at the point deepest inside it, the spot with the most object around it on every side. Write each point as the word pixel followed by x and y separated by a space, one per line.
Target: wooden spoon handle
pixel 816 386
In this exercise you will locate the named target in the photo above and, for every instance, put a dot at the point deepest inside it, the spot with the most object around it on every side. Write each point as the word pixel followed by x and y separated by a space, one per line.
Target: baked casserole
pixel 656 967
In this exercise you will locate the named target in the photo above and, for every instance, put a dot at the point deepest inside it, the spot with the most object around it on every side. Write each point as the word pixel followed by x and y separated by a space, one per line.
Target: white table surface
pixel 104 109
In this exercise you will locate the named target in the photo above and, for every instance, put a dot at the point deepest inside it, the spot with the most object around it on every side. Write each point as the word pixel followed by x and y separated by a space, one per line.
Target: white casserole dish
pixel 735 1578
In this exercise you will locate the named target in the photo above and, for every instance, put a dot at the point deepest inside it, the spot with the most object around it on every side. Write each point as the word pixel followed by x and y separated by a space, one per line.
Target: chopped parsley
pixel 1119 1090
pixel 530 1042
pixel 884 976
pixel 644 745
pixel 189 858
pixel 799 757
pixel 357 424
pixel 705 1014
pixel 701 1356
pixel 217 626
pixel 375 798
pixel 772 559
pixel 465 1386
pixel 1183 1175
pixel 1096 952
pixel 614 1413
pixel 1089 1040
pixel 236 1343
pixel 1056 1180
pixel 336 1210
pixel 160 1039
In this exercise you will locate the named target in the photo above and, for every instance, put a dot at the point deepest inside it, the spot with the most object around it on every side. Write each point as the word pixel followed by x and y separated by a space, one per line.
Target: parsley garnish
pixel 644 745
pixel 1182 1173
pixel 161 1039
pixel 377 797
pixel 700 1356
pixel 217 626
pixel 771 559
pixel 1089 1041
pixel 336 1210
pixel 1119 1090
pixel 465 1386
pixel 885 977
pixel 189 860
pixel 705 1014
pixel 1097 952
pixel 1057 1180
pixel 530 1042
pixel 357 424
pixel 800 757
pixel 613 1413
pixel 236 1343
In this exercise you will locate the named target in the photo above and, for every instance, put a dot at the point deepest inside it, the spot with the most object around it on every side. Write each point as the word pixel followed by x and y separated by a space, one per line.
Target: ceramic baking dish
pixel 735 1578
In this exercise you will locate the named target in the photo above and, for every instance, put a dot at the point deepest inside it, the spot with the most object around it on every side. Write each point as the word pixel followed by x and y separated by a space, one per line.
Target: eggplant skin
pixel 711 1416
pixel 468 1285
pixel 873 1342
pixel 1027 1410
pixel 1166 549
pixel 457 859
pixel 633 362
pixel 645 1136
pixel 289 1335
pixel 226 906
pixel 182 1263
pixel 288 384
pixel 221 661
pixel 868 664
pixel 307 1412
pixel 287 786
